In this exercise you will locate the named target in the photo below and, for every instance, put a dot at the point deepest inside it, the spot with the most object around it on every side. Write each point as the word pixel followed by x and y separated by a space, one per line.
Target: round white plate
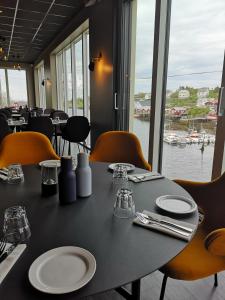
pixel 62 270
pixel 176 204
pixel 50 163
pixel 129 167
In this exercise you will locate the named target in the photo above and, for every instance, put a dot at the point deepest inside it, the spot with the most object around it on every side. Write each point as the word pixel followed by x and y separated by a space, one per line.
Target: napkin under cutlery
pixel 8 263
pixel 158 227
pixel 145 176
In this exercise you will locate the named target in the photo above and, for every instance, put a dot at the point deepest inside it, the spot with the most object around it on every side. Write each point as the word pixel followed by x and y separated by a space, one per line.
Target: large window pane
pixel 143 71
pixel 79 101
pixel 68 81
pixel 17 87
pixel 3 91
pixel 194 75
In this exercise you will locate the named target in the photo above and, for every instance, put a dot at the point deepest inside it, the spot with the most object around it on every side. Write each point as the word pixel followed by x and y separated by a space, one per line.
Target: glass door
pixel 194 78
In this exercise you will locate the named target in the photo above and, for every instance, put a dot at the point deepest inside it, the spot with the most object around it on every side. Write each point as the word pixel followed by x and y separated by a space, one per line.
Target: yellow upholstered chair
pixel 25 148
pixel 205 254
pixel 119 146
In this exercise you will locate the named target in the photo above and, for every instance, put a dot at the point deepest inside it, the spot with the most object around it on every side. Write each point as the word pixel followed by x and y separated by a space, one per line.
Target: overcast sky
pixel 197 43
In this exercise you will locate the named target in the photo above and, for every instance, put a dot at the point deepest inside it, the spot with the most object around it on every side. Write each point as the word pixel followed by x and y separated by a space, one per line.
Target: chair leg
pixel 215 280
pixel 63 147
pixel 163 288
pixel 69 150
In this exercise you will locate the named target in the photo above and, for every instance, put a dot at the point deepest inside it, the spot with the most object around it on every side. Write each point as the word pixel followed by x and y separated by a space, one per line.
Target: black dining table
pixel 124 252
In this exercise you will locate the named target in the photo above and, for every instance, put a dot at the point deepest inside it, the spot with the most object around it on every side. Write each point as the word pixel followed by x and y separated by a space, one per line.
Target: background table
pixel 124 252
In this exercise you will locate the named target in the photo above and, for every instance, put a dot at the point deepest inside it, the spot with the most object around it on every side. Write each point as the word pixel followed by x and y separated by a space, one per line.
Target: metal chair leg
pixel 163 288
pixel 69 150
pixel 215 280
pixel 63 147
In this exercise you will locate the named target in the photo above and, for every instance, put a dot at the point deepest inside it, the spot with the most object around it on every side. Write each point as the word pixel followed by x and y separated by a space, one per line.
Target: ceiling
pixel 29 25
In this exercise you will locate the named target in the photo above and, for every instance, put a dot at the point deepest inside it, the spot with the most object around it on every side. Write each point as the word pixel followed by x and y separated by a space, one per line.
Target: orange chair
pixel 119 146
pixel 25 148
pixel 205 254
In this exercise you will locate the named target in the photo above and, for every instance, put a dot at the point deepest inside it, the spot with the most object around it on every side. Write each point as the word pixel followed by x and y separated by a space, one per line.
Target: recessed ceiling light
pixel 1 11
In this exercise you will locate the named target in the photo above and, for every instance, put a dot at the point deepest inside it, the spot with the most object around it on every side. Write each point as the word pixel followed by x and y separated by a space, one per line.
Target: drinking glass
pixel 124 206
pixel 49 179
pixel 120 178
pixel 16 227
pixel 57 119
pixel 15 174
pixel 22 120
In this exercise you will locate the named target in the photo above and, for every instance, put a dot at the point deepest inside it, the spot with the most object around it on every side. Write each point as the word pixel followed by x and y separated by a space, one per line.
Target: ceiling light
pixel 1 11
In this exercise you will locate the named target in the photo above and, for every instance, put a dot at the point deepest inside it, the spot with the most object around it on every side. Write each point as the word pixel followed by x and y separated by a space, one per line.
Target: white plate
pixel 62 270
pixel 129 167
pixel 50 163
pixel 176 204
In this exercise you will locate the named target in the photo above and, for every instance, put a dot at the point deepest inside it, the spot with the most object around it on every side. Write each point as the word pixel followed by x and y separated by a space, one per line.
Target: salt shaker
pixel 83 176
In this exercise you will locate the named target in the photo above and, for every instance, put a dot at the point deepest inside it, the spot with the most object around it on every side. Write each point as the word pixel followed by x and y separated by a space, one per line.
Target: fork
pixel 155 219
pixel 147 221
pixel 2 246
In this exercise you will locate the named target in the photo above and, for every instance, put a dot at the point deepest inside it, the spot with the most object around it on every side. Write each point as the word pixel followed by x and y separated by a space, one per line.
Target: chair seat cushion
pixel 194 262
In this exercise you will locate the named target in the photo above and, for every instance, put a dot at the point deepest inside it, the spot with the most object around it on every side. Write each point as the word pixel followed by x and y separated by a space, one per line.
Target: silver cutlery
pixel 7 252
pixel 155 219
pixel 147 221
pixel 2 246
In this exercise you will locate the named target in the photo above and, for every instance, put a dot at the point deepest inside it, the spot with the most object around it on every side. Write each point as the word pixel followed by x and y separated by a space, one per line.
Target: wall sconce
pixel 91 66
pixel 46 82
pixel 17 67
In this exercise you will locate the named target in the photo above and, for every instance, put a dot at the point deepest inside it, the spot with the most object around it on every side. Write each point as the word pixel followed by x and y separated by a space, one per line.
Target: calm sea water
pixel 184 163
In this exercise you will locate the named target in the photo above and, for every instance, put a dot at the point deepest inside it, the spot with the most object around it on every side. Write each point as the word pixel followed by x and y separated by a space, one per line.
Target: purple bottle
pixel 67 181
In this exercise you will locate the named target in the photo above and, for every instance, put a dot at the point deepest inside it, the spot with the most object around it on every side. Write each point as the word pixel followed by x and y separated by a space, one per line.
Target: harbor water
pixel 186 162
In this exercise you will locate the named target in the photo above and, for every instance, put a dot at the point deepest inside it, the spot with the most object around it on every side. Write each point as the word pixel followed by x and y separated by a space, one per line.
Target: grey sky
pixel 197 43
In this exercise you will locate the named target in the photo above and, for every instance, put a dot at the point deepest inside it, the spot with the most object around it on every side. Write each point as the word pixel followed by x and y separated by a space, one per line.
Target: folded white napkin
pixel 157 227
pixel 7 264
pixel 144 176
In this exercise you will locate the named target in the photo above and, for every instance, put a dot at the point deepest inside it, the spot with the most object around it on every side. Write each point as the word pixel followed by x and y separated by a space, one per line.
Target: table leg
pixel 136 290
pixel 135 293
pixel 56 140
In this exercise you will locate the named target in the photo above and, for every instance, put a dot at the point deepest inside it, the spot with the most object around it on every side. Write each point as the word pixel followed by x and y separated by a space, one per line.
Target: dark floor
pixel 176 289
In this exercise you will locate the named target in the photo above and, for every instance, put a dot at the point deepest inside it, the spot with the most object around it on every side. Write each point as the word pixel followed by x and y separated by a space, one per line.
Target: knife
pixel 7 252
pixel 175 225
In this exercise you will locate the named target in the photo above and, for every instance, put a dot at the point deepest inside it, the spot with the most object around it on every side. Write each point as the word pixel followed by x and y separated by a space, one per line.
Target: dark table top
pixel 124 252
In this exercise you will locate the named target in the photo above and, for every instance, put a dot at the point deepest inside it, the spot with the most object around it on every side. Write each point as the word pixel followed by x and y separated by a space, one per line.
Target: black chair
pixel 48 111
pixel 42 125
pixel 58 129
pixel 3 116
pixel 76 131
pixel 55 111
pixel 4 128
pixel 6 112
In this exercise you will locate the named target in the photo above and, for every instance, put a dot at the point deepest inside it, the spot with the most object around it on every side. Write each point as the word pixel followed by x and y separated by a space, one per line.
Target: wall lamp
pixel 46 82
pixel 91 66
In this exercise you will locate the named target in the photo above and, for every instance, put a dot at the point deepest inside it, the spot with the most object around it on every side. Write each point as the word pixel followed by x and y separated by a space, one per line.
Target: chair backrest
pixel 3 116
pixel 49 111
pixel 119 146
pixel 76 130
pixel 6 111
pixel 61 114
pixel 25 148
pixel 42 125
pixel 4 128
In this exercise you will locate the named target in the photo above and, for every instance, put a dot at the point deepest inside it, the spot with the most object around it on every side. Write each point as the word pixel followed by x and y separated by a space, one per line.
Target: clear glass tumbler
pixel 15 174
pixel 16 227
pixel 49 179
pixel 120 178
pixel 124 206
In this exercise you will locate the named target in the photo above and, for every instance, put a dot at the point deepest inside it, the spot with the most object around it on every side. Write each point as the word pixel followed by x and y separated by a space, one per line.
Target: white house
pixel 183 94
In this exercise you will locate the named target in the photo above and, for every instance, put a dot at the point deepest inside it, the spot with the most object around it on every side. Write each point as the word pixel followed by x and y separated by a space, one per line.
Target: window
pixel 41 85
pixel 13 87
pixel 73 87
pixel 141 102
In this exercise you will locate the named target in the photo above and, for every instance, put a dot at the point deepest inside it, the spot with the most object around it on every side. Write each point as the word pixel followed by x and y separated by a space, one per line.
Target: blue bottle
pixel 67 181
